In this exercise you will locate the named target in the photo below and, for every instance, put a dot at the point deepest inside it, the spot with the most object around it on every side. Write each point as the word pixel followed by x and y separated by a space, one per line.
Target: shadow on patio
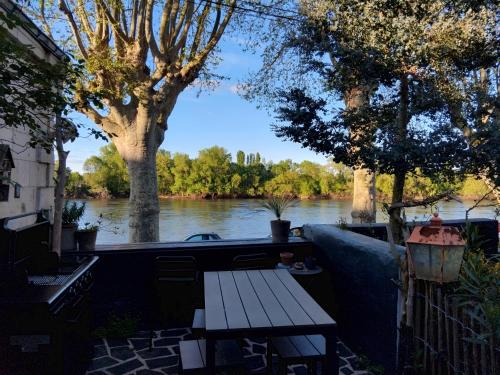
pixel 133 356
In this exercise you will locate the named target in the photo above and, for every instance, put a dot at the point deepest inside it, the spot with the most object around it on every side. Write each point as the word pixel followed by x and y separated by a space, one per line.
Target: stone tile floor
pixel 133 357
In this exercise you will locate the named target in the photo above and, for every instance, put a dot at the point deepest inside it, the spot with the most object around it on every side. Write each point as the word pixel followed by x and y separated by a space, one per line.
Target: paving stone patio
pixel 133 357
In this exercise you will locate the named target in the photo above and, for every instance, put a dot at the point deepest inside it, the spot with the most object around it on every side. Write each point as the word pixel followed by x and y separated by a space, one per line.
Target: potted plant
pixel 87 235
pixel 71 214
pixel 279 228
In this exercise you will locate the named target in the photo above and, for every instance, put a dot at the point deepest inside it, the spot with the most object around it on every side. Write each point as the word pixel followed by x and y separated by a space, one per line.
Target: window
pixel 6 165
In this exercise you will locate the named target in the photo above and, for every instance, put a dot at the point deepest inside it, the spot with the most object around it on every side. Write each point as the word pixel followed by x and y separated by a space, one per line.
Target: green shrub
pixel 118 327
pixel 72 212
pixel 478 291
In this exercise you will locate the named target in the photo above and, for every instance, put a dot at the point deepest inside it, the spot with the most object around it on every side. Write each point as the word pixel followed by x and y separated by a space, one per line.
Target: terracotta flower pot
pixel 86 240
pixel 68 238
pixel 286 258
pixel 279 230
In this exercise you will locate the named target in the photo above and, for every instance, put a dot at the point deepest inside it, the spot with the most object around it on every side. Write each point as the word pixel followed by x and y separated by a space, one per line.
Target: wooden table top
pixel 246 300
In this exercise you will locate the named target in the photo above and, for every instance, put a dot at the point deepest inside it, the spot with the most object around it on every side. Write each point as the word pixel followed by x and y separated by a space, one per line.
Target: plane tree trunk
pixel 143 201
pixel 138 147
pixel 363 199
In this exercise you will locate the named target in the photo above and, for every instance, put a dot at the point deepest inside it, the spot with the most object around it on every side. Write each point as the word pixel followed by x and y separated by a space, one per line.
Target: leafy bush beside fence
pixel 457 326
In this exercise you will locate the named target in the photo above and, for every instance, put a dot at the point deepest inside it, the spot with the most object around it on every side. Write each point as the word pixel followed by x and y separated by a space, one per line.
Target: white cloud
pixel 237 88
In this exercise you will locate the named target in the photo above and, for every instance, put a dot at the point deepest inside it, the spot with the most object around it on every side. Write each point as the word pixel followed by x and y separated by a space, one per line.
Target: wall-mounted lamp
pixel 17 190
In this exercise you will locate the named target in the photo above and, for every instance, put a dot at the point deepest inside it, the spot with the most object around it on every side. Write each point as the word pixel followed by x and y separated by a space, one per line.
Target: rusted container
pixel 436 252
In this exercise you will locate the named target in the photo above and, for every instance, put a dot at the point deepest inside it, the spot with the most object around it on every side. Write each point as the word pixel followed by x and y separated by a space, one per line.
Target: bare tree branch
pixel 200 29
pixel 84 18
pixel 191 69
pixel 172 48
pixel 157 55
pixel 164 26
pixel 477 203
pixel 74 28
pixel 43 20
pixel 133 19
pixel 423 202
pixel 115 23
pixel 124 20
pixel 173 17
pixel 186 9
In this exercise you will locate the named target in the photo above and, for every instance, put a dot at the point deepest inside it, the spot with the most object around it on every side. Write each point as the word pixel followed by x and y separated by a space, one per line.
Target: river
pixel 243 218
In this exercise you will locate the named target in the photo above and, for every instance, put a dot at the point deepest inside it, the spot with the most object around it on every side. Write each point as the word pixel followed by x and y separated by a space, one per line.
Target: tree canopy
pixel 409 61
pixel 138 57
pixel 181 176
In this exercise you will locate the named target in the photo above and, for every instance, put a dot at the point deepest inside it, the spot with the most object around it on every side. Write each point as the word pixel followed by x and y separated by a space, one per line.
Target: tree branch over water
pixel 424 202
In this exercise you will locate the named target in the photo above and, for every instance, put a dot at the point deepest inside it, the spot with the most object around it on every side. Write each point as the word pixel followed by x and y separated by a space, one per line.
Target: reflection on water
pixel 238 218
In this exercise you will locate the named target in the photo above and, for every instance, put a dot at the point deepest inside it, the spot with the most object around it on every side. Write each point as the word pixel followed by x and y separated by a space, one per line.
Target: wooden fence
pixel 448 339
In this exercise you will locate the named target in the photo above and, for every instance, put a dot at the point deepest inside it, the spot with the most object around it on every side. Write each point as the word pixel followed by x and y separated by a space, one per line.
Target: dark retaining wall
pixel 487 230
pixel 124 281
pixel 362 270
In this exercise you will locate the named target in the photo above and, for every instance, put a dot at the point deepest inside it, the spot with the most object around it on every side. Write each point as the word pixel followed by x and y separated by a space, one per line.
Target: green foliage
pixel 364 363
pixel 210 172
pixel 213 173
pixel 473 187
pixel 240 158
pixel 107 173
pixel 278 204
pixel 418 186
pixel 479 292
pixel 285 180
pixel 166 178
pixel 118 327
pixel 92 227
pixel 418 83
pixel 72 212
pixel 76 186
pixel 473 241
pixel 181 171
pixel 342 223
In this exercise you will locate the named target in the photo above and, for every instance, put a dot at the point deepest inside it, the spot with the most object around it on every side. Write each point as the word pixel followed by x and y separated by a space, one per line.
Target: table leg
pixel 269 357
pixel 210 355
pixel 332 358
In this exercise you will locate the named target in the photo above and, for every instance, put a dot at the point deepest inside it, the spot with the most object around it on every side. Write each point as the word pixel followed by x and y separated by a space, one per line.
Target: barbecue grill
pixel 44 302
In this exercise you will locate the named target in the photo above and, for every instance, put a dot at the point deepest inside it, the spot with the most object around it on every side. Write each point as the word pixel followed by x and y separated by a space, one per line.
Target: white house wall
pixel 33 167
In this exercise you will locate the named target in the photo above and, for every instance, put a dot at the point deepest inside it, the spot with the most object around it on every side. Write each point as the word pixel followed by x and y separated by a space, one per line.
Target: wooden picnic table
pixel 263 303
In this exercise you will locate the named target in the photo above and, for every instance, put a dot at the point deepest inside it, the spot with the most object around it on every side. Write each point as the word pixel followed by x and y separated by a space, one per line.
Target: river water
pixel 243 218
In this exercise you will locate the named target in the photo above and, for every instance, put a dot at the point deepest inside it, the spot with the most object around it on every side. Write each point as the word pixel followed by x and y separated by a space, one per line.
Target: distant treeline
pixel 214 174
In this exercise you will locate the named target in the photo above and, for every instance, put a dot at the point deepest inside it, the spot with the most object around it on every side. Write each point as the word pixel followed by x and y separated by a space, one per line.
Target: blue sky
pixel 219 117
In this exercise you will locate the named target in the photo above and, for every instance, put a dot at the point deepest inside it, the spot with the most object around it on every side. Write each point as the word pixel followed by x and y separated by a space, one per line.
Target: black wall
pixel 124 279
pixel 487 230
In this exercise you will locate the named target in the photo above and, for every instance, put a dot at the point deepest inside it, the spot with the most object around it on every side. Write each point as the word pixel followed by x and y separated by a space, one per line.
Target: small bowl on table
pixel 299 266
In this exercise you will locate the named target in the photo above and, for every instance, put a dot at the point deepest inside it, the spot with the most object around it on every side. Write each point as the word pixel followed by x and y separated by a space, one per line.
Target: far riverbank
pixel 336 197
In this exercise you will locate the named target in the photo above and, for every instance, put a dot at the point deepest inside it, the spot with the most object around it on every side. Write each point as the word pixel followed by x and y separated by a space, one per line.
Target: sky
pixel 219 117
